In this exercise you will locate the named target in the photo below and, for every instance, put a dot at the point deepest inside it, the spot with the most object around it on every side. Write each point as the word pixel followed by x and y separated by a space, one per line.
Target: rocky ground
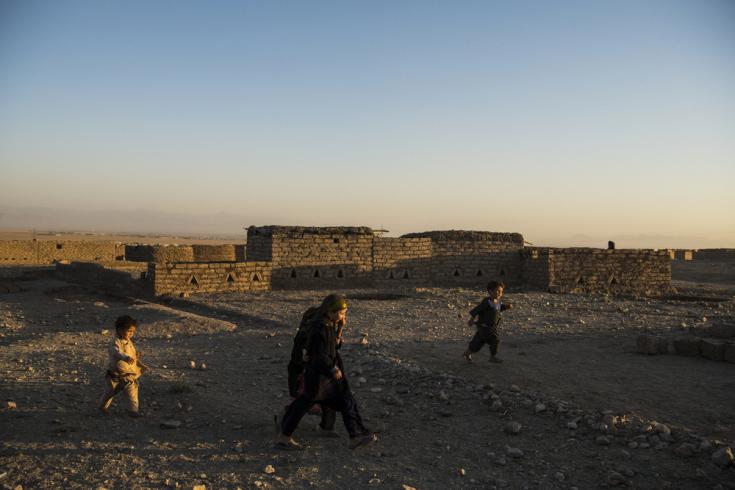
pixel 572 406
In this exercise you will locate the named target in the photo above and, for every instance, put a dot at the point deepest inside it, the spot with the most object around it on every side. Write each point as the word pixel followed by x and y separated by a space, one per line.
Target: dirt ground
pixel 589 411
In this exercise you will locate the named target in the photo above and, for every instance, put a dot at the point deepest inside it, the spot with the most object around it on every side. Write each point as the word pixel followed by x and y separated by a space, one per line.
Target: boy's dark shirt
pixel 486 314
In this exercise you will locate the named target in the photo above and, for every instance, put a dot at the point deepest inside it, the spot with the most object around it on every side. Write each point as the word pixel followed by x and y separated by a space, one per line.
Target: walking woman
pixel 324 381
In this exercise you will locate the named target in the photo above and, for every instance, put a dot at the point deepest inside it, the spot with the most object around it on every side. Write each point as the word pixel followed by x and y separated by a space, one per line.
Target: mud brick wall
pixel 310 257
pixel 474 257
pixel 715 254
pixel 400 260
pixel 115 277
pixel 589 270
pixel 159 253
pixel 218 253
pixel 18 252
pixel 50 251
pixel 192 277
pixel 535 271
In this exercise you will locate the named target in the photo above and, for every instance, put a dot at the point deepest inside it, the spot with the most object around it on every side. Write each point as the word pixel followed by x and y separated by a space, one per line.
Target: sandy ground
pixel 591 412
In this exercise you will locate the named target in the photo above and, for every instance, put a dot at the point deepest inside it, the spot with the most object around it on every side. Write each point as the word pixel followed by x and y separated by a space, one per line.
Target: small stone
pixel 514 452
pixel 443 396
pixel 170 424
pixel 462 472
pixel 572 425
pixel 512 428
pixel 515 388
pixel 104 332
pixel 198 487
pixel 684 450
pixel 202 366
pixel 269 469
pixel 614 478
pixel 11 405
pixel 540 407
pixel 193 364
pixel 559 476
pixel 602 440
pixel 632 444
pixel 496 405
pixel 407 487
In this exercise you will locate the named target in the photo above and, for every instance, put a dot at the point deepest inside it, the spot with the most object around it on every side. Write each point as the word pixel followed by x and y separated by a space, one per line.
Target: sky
pixel 571 122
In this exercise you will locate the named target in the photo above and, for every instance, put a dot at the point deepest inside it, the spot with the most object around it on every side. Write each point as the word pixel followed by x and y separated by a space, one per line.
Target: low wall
pixel 312 257
pixel 192 277
pixel 41 252
pixel 402 260
pixel 715 254
pixel 588 270
pixel 462 258
pixel 159 253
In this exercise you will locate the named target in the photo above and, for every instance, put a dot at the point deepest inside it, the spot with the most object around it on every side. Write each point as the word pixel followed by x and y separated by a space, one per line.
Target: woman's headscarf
pixel 332 303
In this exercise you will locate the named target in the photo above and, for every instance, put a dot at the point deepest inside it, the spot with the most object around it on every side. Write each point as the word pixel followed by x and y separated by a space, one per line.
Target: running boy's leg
pixel 112 388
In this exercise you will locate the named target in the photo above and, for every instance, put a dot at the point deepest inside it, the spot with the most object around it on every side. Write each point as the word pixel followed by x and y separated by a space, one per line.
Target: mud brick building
pixel 334 258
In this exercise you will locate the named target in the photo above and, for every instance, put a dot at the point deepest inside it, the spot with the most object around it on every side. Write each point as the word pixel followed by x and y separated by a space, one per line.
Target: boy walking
pixel 124 367
pixel 486 316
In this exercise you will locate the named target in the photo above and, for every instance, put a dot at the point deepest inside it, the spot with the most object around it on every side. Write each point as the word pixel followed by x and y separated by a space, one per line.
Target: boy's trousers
pixel 114 385
pixel 485 335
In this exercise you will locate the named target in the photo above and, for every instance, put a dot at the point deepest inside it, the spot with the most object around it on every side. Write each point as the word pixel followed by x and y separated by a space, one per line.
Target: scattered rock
pixel 614 478
pixel 602 440
pixel 269 469
pixel 11 405
pixel 171 424
pixel 684 450
pixel 514 452
pixel 512 428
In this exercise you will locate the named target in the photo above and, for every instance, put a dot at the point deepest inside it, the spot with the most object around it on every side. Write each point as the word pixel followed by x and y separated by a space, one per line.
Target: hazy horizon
pixel 233 226
pixel 570 122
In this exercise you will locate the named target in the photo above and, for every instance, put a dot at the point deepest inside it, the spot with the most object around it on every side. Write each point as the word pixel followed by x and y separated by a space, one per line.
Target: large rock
pixel 713 349
pixel 688 346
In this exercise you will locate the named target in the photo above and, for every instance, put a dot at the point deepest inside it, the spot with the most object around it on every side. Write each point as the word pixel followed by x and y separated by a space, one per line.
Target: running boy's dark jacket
pixel 486 314
pixel 321 347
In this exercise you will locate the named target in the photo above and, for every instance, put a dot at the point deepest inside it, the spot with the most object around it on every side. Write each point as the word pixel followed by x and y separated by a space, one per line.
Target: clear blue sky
pixel 570 121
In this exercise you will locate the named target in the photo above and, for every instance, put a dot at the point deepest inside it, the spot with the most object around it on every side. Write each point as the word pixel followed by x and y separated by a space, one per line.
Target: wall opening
pixel 612 281
pixel 230 280
pixel 390 275
pixel 502 272
pixel 479 273
pixel 316 273
pixel 193 281
pixel 59 246
pixel 406 275
pixel 340 274
pixel 336 240
pixel 293 274
pixel 456 273
pixel 256 277
pixel 580 280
